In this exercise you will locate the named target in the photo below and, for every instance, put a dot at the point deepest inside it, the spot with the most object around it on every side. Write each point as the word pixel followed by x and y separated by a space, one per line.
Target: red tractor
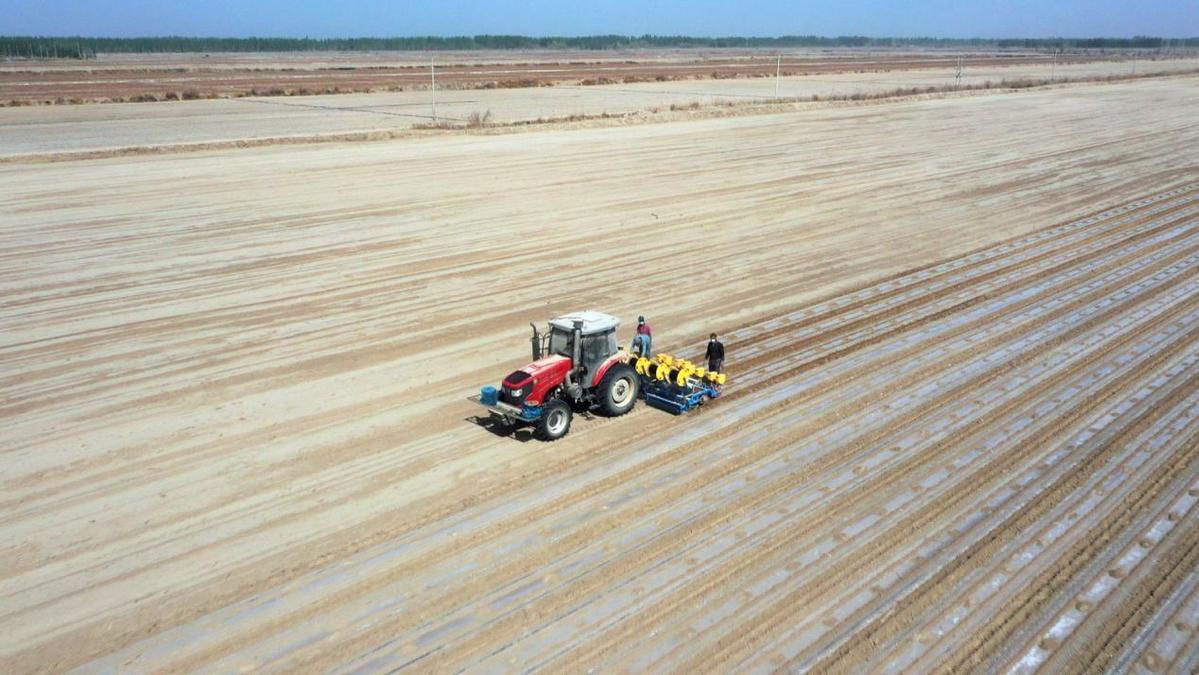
pixel 576 363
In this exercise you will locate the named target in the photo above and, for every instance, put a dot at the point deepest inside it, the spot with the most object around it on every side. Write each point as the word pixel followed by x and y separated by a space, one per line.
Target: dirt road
pixel 960 432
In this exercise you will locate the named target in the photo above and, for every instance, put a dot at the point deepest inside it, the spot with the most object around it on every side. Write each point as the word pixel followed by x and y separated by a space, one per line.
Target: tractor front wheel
pixel 617 392
pixel 554 421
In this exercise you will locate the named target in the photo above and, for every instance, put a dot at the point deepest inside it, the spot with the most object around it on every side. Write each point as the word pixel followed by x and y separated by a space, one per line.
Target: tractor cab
pixel 596 333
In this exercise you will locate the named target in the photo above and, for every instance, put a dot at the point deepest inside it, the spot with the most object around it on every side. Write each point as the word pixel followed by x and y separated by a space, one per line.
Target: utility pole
pixel 778 69
pixel 433 82
pixel 1053 68
pixel 957 77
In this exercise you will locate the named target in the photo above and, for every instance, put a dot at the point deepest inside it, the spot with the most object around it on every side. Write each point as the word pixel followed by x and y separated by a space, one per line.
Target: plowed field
pixel 124 76
pixel 961 430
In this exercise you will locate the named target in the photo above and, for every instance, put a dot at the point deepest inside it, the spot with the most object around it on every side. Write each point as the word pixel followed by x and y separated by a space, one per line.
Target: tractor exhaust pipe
pixel 573 385
pixel 536 340
pixel 576 357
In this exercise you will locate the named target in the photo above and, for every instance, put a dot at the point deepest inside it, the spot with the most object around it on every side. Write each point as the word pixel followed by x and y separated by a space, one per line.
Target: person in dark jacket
pixel 715 354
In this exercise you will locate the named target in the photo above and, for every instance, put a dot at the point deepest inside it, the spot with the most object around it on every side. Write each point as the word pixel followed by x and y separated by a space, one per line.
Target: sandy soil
pixel 219 75
pixel 960 431
pixel 73 129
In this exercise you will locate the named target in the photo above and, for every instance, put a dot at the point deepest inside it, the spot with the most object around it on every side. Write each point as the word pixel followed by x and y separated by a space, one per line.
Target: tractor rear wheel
pixel 617 392
pixel 554 421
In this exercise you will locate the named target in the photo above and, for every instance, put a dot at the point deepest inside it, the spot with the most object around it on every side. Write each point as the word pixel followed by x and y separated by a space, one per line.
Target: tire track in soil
pixel 1158 571
pixel 942 580
pixel 1026 603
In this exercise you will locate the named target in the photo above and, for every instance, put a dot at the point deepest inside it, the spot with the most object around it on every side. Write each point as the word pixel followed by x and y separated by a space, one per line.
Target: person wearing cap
pixel 715 354
pixel 642 338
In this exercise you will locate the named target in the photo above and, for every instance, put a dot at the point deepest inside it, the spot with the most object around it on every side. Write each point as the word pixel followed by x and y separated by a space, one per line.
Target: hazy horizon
pixel 547 36
pixel 986 19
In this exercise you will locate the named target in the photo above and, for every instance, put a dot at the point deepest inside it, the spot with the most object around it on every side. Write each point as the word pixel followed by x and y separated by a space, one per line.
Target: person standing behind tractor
pixel 715 354
pixel 643 338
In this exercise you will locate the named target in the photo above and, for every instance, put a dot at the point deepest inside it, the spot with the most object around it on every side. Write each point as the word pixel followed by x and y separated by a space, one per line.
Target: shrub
pixel 1019 84
pixel 478 119
pixel 522 83
pixel 439 124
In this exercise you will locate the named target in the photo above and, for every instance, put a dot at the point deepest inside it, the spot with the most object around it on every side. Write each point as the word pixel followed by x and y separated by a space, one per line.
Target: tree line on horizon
pixel 89 47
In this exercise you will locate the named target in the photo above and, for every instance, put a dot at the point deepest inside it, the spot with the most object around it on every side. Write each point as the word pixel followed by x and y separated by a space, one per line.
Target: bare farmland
pixel 961 428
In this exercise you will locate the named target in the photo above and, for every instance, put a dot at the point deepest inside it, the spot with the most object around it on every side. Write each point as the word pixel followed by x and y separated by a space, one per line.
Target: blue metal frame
pixel 673 398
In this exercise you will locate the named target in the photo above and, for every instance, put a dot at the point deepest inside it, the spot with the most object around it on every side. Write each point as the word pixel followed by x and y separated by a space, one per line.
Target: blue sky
pixel 314 18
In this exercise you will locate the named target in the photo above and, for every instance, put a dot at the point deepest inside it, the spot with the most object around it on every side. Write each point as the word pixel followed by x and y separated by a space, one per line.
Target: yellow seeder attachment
pixel 681 372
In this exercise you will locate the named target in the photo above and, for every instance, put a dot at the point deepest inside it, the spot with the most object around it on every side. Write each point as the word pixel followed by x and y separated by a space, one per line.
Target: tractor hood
pixel 531 384
pixel 549 370
pixel 544 367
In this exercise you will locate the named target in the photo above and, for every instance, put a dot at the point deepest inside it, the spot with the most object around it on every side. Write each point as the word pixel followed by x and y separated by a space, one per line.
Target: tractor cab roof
pixel 593 322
